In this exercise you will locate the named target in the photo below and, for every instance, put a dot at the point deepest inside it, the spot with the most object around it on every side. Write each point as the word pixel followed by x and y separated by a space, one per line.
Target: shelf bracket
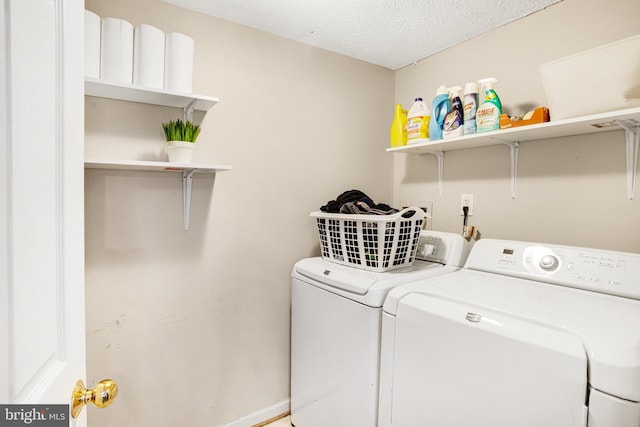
pixel 187 182
pixel 187 112
pixel 440 156
pixel 632 134
pixel 513 157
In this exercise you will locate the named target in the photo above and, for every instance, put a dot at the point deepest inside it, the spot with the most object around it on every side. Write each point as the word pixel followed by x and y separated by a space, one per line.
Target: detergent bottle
pixel 454 120
pixel 398 131
pixel 470 107
pixel 418 122
pixel 441 107
pixel 488 116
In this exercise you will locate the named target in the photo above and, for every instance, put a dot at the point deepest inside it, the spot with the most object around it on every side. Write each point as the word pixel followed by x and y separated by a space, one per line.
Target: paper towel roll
pixel 91 45
pixel 148 56
pixel 178 63
pixel 116 52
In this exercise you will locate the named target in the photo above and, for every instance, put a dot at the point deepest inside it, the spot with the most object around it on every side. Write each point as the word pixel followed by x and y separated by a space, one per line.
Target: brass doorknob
pixel 101 396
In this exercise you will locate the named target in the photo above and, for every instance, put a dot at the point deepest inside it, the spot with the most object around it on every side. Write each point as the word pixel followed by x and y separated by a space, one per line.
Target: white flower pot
pixel 180 151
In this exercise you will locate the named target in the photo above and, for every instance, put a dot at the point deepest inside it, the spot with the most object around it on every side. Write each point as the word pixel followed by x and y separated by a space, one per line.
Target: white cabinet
pixel 629 120
pixel 187 102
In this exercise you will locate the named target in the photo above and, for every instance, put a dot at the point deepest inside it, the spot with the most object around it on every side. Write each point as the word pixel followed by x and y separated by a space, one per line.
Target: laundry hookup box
pixel 370 242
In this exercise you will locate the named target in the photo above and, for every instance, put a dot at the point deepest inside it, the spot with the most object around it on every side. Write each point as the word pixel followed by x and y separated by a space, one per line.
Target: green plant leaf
pixel 178 130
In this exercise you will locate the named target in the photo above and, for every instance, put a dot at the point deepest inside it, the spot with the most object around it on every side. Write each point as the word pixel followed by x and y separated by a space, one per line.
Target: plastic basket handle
pixel 411 213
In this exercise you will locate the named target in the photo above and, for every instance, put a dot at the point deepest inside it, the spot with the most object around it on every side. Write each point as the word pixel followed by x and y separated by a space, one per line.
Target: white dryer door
pixel 461 365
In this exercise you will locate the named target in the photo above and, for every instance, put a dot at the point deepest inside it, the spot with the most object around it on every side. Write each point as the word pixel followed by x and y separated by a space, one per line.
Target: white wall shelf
pixel 186 101
pixel 140 165
pixel 126 92
pixel 628 120
pixel 187 171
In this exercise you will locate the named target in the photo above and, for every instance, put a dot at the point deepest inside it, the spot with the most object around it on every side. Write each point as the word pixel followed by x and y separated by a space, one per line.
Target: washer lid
pixel 608 326
pixel 334 276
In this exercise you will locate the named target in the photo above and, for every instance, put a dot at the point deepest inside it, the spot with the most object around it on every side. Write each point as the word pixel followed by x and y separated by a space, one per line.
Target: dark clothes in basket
pixel 357 202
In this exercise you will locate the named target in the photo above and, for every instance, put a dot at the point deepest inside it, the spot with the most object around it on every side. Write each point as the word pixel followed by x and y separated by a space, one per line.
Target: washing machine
pixel 525 335
pixel 335 331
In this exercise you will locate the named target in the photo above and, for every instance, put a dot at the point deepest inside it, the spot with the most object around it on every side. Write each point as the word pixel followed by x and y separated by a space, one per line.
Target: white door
pixel 42 318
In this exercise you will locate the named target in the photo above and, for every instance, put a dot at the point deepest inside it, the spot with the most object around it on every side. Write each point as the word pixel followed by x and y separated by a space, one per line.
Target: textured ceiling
pixel 390 33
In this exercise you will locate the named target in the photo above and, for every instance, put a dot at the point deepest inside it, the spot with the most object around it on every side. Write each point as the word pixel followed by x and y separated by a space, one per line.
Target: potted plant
pixel 181 137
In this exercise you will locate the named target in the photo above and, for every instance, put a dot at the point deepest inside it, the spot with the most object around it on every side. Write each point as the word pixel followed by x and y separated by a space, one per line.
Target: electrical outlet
pixel 466 200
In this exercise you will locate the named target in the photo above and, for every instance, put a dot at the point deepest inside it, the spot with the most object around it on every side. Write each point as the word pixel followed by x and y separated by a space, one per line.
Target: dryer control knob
pixel 549 262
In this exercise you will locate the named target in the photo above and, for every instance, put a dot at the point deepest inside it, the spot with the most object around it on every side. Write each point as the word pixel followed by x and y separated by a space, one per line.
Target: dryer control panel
pixel 614 273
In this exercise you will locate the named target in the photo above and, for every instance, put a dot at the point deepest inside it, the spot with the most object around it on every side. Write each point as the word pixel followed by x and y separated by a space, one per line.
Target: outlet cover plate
pixel 466 200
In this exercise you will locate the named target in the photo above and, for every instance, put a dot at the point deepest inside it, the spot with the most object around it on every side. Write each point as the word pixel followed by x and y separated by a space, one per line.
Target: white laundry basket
pixel 370 242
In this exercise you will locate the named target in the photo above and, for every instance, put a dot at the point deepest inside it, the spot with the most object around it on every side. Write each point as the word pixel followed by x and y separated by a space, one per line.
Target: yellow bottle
pixel 398 131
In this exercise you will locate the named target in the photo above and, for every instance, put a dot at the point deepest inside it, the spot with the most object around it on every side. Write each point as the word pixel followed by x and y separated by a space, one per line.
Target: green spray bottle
pixel 488 115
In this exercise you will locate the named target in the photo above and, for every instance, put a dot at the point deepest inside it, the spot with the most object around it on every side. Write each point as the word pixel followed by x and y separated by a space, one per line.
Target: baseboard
pixel 262 415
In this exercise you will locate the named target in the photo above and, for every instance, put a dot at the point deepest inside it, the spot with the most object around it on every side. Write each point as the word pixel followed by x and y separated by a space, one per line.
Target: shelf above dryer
pixel 627 120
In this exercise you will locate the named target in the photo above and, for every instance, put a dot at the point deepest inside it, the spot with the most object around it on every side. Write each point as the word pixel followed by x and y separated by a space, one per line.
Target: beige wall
pixel 195 326
pixel 569 190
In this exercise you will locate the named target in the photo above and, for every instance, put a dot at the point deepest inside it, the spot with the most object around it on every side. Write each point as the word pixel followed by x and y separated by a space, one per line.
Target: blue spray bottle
pixel 441 107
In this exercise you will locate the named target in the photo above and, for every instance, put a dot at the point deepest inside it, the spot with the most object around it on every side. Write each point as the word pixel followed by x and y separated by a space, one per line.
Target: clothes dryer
pixel 335 331
pixel 524 335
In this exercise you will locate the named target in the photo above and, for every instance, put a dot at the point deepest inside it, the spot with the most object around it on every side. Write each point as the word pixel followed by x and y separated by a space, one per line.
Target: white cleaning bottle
pixel 470 107
pixel 454 121
pixel 418 122
pixel 488 116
